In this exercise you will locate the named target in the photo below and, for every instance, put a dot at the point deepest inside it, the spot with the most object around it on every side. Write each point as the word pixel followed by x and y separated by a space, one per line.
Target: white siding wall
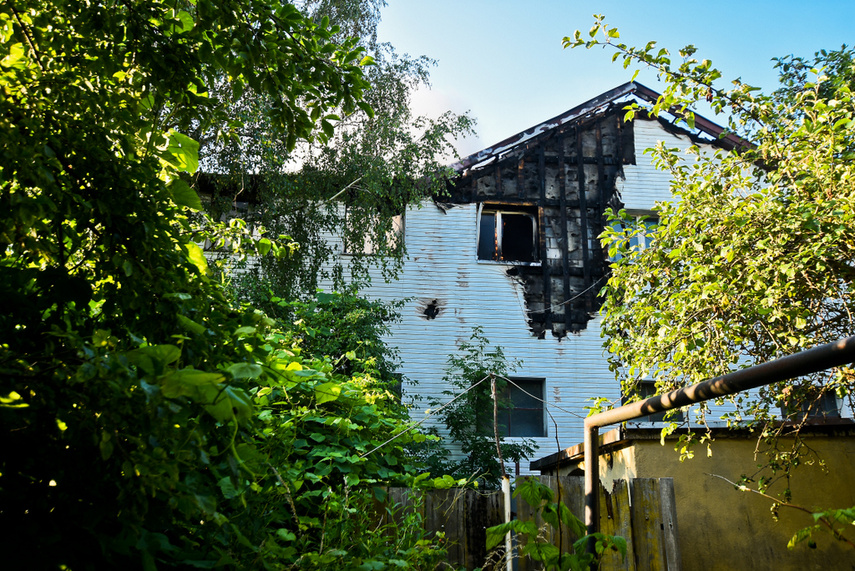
pixel 645 185
pixel 442 266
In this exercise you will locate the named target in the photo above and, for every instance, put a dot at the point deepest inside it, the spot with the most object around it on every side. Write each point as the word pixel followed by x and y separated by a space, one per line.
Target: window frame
pixel 506 412
pixel 498 210
pixel 825 406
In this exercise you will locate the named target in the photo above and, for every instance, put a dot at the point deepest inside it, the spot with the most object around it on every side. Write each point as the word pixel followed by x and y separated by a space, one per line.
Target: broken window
pixel 507 235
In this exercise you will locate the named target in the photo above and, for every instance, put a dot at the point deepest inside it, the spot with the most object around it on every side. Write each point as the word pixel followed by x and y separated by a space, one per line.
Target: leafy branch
pixel 677 98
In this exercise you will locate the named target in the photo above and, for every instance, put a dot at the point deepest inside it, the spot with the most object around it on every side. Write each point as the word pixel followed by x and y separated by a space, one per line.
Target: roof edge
pixel 727 140
pixel 624 436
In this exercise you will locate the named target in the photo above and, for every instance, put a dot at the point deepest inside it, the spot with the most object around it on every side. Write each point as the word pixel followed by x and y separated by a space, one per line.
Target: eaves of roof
pixel 716 132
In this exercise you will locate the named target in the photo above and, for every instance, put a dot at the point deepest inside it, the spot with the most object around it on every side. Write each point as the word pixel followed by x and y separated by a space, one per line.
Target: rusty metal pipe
pixel 591 444
pixel 806 362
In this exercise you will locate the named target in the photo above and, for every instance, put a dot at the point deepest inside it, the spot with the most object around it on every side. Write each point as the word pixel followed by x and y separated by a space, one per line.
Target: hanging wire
pixel 545 405
pixel 428 414
pixel 574 298
pixel 432 411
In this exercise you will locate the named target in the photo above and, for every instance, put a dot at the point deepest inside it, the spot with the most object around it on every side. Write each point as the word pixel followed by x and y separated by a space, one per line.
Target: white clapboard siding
pixel 442 266
pixel 644 185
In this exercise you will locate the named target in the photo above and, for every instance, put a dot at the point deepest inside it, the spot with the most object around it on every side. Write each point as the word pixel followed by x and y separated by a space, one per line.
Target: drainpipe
pixel 804 363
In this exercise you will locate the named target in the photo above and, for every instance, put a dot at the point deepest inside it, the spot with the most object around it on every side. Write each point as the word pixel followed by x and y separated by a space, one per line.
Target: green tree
pixel 467 413
pixel 379 160
pixel 753 259
pixel 146 419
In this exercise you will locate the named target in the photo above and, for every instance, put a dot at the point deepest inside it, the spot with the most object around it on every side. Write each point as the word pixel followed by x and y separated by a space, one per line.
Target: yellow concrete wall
pixel 722 528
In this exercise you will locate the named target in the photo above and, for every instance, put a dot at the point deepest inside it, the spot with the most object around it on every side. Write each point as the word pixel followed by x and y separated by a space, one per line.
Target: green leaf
pixel 197 257
pixel 244 370
pixel 106 446
pixel 183 195
pixel 620 543
pixel 327 392
pixel 154 358
pixel 285 535
pixel 228 488
pixel 497 533
pixel 190 325
pixel 186 382
pixel 800 536
pixel 13 400
pixel 16 53
pixel 227 403
pixel 182 152
pixel 186 20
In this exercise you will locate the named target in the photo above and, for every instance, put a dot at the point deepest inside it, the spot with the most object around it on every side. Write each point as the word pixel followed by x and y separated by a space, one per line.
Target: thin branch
pixel 342 191
pixel 837 535
pixel 27 36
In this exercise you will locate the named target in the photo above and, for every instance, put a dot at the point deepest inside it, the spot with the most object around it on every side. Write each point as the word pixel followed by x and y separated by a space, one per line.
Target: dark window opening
pixel 520 411
pixel 507 236
pixel 526 416
pixel 812 406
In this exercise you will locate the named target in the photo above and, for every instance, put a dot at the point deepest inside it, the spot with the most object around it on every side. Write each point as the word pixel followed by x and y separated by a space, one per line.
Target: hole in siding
pixel 430 308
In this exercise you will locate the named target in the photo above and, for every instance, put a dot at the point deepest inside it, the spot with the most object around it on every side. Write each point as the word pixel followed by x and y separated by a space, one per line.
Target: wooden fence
pixel 642 512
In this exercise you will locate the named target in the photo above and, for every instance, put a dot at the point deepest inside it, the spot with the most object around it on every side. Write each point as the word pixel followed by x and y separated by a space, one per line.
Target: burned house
pixel 542 196
pixel 513 249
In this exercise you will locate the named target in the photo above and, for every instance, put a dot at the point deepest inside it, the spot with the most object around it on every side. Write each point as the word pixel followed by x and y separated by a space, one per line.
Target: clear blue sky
pixel 503 61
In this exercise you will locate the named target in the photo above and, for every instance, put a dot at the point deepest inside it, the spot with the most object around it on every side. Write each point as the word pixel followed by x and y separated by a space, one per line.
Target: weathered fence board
pixel 462 515
pixel 641 511
pixel 669 515
pixel 616 519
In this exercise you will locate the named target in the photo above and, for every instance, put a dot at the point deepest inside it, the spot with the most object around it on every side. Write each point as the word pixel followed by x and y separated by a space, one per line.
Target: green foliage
pixel 753 259
pixel 307 475
pixel 831 521
pixel 469 418
pixel 145 418
pixel 378 160
pixel 555 517
pixel 347 329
